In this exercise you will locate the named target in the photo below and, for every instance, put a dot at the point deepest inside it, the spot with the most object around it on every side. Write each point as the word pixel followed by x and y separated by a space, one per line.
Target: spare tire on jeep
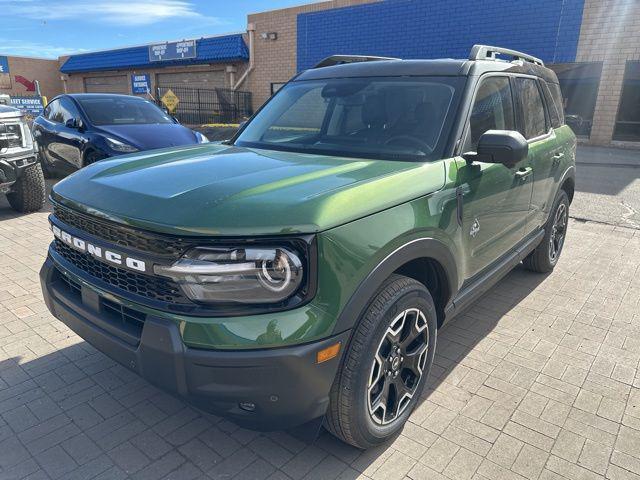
pixel 28 194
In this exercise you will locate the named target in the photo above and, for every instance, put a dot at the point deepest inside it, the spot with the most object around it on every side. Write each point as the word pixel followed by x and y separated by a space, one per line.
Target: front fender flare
pixel 412 250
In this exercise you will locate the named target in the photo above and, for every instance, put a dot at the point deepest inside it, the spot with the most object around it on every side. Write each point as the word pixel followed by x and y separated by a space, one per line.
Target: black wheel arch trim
pixel 428 248
pixel 570 172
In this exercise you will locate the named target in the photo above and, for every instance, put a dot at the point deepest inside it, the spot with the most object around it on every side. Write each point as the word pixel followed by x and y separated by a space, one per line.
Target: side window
pixel 492 109
pixel 52 113
pixel 556 94
pixel 67 110
pixel 552 108
pixel 534 122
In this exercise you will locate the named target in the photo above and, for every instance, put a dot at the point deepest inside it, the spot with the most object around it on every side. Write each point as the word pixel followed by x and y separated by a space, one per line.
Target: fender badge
pixel 475 228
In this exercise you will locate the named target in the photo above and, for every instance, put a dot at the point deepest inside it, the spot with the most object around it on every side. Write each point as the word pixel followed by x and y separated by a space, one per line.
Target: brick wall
pixel 548 29
pixel 43 70
pixel 275 60
pixel 610 34
pixel 75 82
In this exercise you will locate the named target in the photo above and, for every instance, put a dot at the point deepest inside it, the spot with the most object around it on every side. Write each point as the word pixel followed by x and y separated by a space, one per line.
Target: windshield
pixel 122 111
pixel 403 118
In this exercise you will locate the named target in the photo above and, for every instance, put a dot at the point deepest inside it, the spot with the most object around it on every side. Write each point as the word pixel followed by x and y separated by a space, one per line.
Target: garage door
pixel 110 84
pixel 211 79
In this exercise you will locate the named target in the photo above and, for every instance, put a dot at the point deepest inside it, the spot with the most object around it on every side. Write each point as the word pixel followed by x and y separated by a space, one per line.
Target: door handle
pixel 556 158
pixel 523 173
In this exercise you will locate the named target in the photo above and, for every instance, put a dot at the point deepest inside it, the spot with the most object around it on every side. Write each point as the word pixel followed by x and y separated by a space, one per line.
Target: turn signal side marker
pixel 328 353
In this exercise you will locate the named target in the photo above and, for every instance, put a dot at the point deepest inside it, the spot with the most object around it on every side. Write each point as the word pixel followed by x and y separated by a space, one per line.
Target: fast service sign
pixel 32 105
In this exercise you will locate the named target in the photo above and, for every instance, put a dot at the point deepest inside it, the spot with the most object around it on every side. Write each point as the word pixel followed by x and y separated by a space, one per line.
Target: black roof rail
pixel 340 59
pixel 486 52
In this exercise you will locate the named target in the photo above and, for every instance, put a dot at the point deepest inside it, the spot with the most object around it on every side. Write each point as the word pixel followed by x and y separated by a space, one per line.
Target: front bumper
pixel 11 167
pixel 286 385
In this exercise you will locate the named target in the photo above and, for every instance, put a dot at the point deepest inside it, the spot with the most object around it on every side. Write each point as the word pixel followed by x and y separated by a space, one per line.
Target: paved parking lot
pixel 538 380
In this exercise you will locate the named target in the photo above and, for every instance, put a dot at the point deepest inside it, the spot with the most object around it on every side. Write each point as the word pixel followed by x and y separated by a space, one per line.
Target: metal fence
pixel 215 105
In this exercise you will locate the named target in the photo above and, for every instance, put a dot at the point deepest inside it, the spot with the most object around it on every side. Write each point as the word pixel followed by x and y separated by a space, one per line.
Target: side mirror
pixel 507 147
pixel 73 123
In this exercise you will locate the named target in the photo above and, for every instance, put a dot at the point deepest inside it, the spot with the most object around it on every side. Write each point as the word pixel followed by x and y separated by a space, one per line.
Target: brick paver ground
pixel 538 380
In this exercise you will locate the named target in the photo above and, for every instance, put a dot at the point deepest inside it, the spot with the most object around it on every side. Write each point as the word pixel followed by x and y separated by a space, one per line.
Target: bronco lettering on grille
pixel 105 255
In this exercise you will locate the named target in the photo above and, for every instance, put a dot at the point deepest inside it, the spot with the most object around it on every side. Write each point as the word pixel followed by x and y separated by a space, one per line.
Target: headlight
pixel 119 146
pixel 251 275
pixel 200 137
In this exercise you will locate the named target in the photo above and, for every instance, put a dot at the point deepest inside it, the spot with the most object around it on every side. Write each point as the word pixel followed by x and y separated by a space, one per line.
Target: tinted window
pixel 66 110
pixel 113 110
pixel 552 108
pixel 374 117
pixel 53 111
pixel 627 126
pixel 533 119
pixel 579 83
pixel 556 94
pixel 492 108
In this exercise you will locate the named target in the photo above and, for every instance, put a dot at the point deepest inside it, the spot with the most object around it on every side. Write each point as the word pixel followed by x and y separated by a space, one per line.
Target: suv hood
pixel 151 136
pixel 224 190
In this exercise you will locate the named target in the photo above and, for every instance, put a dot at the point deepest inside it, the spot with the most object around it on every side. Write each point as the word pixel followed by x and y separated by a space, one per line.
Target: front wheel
pixel 386 365
pixel 544 258
pixel 28 193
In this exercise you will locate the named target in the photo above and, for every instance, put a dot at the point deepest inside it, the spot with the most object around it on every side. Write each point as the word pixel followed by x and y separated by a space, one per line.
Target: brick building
pixel 211 62
pixel 593 45
pixel 18 76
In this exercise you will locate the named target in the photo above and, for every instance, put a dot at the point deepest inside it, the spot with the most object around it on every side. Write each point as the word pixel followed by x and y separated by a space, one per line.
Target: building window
pixel 628 120
pixel 275 86
pixel 579 84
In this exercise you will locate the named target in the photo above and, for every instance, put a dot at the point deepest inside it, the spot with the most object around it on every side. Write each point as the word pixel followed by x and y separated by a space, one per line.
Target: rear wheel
pixel 28 193
pixel 386 365
pixel 544 258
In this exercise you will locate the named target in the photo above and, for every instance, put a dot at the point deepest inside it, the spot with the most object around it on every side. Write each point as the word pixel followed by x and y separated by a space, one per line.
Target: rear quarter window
pixel 556 95
pixel 533 118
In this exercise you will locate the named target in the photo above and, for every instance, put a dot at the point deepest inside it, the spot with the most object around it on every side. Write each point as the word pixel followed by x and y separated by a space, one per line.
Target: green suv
pixel 300 271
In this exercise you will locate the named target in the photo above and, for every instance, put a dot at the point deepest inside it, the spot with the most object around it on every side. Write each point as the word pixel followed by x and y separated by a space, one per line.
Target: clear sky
pixel 50 28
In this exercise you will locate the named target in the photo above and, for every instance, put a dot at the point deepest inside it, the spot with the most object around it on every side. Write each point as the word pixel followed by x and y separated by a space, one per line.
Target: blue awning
pixel 227 48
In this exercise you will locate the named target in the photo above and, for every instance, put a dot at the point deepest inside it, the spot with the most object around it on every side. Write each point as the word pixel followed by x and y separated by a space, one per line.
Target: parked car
pixel 76 130
pixel 21 178
pixel 301 270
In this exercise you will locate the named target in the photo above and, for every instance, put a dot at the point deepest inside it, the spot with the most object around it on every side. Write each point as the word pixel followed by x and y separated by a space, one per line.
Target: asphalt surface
pixel 607 186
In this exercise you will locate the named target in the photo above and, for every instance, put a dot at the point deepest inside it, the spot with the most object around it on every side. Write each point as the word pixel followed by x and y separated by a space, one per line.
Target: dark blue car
pixel 78 129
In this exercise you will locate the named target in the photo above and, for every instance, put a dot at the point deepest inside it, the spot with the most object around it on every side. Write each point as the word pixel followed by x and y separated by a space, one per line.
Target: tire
pixel 363 373
pixel 542 259
pixel 28 193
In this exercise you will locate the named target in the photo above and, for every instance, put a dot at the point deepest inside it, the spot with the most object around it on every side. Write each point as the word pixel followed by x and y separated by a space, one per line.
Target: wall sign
pixel 140 83
pixel 172 51
pixel 31 104
pixel 5 78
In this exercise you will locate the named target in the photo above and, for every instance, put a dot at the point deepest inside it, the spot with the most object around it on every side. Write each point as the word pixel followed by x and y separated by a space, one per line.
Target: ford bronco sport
pixel 21 177
pixel 301 270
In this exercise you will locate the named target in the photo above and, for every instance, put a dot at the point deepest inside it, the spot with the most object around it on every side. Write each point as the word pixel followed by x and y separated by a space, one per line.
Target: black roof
pixel 442 67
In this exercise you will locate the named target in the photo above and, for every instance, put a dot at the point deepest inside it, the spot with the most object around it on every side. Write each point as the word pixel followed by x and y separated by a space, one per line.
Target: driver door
pixel 495 198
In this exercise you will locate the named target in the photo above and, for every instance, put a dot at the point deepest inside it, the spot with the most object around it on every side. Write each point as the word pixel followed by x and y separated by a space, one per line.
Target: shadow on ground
pixel 74 413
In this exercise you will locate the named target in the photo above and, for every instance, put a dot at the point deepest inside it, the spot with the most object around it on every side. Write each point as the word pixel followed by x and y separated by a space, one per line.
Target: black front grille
pixel 120 235
pixel 155 288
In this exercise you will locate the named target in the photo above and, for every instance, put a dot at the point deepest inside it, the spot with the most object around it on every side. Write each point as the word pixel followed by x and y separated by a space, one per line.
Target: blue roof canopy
pixel 227 48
